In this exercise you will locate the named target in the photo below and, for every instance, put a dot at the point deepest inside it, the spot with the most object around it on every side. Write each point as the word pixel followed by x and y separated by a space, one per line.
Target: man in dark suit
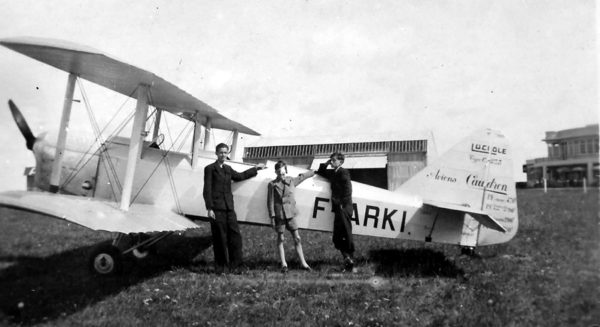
pixel 341 200
pixel 227 239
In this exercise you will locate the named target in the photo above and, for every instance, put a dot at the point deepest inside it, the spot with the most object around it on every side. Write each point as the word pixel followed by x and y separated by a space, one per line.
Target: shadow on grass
pixel 414 262
pixel 382 262
pixel 61 284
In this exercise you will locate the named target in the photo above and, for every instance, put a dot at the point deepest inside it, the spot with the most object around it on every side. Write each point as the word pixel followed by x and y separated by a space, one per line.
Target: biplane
pixel 137 186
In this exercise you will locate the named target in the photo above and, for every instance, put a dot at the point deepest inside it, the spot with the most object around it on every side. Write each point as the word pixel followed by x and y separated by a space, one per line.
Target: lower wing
pixel 97 214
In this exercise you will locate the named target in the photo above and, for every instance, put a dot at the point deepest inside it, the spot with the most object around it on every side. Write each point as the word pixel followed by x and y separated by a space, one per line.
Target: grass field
pixel 548 275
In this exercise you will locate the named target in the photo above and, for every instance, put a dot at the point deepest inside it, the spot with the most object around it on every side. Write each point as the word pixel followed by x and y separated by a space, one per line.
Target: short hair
pixel 338 155
pixel 221 145
pixel 280 164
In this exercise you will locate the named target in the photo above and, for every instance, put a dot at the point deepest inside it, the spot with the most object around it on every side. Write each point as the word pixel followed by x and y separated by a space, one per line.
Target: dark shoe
pixel 220 270
pixel 239 270
pixel 307 268
pixel 284 269
pixel 348 264
pixel 199 268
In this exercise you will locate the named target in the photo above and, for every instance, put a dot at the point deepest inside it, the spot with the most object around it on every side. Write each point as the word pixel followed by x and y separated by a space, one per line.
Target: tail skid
pixel 475 178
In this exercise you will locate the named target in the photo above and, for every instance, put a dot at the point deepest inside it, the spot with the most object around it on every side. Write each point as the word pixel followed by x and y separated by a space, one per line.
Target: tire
pixel 142 252
pixel 105 259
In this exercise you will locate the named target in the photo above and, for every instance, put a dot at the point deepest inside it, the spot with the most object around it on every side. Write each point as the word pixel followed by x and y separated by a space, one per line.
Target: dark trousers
pixel 227 239
pixel 342 230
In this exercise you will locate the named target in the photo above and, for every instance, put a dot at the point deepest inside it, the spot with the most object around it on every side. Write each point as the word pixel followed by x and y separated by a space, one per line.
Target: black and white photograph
pixel 299 163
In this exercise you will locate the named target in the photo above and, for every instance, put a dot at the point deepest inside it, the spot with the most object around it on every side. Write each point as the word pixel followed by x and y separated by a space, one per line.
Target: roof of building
pixel 337 139
pixel 588 130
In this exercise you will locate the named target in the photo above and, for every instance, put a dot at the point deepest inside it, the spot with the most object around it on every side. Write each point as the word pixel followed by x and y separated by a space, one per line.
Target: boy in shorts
pixel 282 210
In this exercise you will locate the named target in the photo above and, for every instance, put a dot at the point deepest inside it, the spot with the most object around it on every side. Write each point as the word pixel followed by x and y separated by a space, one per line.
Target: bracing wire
pixel 169 131
pixel 171 175
pixel 99 137
pixel 112 189
pixel 229 139
pixel 98 134
pixel 106 160
pixel 165 160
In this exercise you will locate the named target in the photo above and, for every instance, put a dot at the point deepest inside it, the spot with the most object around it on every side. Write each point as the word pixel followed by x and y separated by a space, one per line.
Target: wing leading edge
pixel 116 75
pixel 97 215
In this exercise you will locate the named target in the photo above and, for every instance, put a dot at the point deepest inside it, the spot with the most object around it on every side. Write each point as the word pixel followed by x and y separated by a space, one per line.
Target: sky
pixel 298 68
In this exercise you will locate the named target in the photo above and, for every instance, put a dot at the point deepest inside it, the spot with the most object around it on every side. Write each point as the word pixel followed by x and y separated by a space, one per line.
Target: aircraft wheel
pixel 143 251
pixel 105 259
pixel 140 254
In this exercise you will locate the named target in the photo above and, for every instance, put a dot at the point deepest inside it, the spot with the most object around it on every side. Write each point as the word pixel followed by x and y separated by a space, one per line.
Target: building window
pixel 590 146
pixel 582 147
pixel 595 145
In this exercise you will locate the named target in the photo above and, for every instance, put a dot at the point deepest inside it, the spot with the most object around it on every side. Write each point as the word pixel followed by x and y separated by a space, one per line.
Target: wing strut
pixel 196 143
pixel 234 145
pixel 157 125
pixel 62 134
pixel 207 133
pixel 135 145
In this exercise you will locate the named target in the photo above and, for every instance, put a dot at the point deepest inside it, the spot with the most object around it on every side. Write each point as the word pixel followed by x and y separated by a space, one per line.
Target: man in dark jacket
pixel 341 200
pixel 227 239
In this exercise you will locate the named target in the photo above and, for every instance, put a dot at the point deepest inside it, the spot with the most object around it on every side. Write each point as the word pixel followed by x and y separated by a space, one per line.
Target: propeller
pixel 22 124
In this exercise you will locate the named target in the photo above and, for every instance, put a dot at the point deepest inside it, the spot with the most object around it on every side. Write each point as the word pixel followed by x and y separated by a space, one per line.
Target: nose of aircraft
pixel 22 124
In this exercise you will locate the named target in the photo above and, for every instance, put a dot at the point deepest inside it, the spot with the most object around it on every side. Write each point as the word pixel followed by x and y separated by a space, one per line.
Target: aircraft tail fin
pixel 474 177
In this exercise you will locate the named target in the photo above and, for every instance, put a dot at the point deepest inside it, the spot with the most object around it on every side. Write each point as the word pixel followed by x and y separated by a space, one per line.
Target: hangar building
pixel 376 160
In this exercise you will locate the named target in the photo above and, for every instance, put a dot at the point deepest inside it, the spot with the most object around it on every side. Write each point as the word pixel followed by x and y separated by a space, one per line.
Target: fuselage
pixel 168 180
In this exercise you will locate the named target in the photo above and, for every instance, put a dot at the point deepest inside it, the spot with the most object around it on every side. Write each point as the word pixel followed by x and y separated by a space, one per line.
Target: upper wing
pixel 482 217
pixel 96 214
pixel 102 69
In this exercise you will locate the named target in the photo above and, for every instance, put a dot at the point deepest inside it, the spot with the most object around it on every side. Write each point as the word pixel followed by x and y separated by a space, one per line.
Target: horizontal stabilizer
pixel 482 217
pixel 97 215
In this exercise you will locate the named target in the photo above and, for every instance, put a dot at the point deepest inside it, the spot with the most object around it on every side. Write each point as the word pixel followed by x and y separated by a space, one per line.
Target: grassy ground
pixel 549 275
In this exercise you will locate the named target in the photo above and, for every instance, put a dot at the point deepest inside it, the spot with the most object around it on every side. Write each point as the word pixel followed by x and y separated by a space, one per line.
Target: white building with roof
pixel 572 159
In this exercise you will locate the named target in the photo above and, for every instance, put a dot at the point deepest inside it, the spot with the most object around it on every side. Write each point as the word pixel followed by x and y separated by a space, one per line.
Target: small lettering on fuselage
pixel 489 185
pixel 476 158
pixel 440 176
pixel 371 214
pixel 484 148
